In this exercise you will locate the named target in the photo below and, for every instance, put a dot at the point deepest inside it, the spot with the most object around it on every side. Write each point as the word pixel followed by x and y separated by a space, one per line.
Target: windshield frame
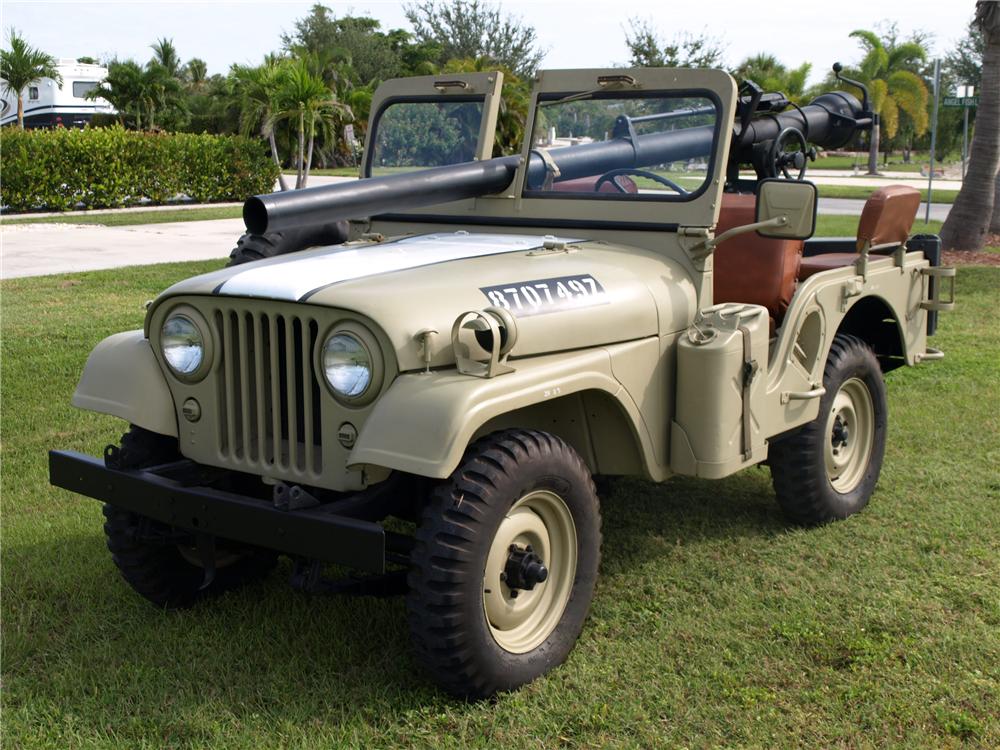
pixel 371 137
pixel 551 98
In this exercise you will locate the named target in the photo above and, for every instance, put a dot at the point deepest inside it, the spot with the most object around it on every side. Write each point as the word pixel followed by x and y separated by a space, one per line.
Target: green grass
pixel 863 192
pixel 918 160
pixel 835 225
pixel 130 218
pixel 333 172
pixel 715 623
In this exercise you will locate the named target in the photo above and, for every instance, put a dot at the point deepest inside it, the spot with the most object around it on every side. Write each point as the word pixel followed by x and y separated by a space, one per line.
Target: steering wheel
pixel 781 162
pixel 610 177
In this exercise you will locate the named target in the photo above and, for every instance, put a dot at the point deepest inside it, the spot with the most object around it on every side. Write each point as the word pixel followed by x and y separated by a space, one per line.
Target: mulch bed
pixel 966 258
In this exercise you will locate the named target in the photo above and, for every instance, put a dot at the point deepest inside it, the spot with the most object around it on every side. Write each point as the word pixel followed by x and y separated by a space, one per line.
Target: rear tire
pixel 479 623
pixel 168 574
pixel 828 469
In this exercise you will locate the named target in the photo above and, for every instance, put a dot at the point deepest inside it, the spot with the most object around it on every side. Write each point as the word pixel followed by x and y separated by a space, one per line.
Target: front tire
pixel 166 573
pixel 504 566
pixel 828 469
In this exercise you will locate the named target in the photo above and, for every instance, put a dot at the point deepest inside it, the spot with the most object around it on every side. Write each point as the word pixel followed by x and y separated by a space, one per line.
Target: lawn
pixel 130 218
pixel 715 623
pixel 918 160
pixel 863 192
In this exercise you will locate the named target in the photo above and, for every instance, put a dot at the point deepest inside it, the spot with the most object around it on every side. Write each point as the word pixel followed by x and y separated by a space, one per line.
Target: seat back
pixel 751 268
pixel 888 216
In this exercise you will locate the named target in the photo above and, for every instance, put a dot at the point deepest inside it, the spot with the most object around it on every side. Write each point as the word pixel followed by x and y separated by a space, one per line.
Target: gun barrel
pixel 830 121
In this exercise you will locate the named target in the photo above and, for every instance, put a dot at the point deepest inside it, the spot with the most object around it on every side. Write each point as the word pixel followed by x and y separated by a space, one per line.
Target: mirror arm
pixel 709 245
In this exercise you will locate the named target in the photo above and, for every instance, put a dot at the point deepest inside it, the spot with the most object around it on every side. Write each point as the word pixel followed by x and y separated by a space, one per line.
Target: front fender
pixel 122 378
pixel 424 422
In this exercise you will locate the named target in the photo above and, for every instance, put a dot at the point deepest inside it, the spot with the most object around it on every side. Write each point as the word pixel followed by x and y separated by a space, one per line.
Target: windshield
pixel 418 135
pixel 598 145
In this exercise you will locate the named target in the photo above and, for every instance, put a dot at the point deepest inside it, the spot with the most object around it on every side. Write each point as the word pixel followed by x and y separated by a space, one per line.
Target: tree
pixel 889 68
pixel 257 89
pixel 23 65
pixel 165 55
pixel 139 92
pixel 970 217
pixel 965 63
pixel 303 99
pixel 765 70
pixel 122 87
pixel 649 50
pixel 196 73
pixel 472 29
pixel 372 54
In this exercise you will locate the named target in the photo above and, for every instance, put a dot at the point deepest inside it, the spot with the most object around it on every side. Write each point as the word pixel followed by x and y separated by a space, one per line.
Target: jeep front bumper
pixel 309 533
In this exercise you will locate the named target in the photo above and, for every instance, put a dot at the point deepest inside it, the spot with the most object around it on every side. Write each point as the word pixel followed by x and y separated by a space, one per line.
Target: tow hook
pixel 524 569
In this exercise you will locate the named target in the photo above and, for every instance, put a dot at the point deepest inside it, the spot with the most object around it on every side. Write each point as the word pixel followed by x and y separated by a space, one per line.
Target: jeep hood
pixel 569 295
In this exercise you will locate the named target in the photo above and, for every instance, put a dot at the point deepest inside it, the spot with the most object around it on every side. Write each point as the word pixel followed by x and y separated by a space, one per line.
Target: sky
pixel 576 33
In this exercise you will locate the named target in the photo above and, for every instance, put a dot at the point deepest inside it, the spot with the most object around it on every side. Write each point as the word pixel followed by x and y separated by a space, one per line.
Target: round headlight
pixel 183 344
pixel 347 365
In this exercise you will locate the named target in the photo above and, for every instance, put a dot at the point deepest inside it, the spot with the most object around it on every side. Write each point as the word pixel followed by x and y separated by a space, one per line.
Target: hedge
pixel 60 169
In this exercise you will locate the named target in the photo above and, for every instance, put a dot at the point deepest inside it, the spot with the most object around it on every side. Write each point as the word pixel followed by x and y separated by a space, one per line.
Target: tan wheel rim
pixel 850 429
pixel 520 620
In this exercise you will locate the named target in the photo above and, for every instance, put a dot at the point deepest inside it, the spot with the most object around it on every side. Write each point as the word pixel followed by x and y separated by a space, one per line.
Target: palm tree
pixel 305 100
pixel 255 90
pixel 122 87
pixel 888 69
pixel 970 217
pixel 23 65
pixel 165 55
pixel 196 73
pixel 766 71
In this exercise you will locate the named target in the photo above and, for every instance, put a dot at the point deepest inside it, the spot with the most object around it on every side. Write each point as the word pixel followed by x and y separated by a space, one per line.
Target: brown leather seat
pixel 751 268
pixel 885 222
pixel 586 185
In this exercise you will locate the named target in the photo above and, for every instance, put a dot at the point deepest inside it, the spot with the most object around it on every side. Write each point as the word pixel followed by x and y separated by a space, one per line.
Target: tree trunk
pixel 20 111
pixel 274 155
pixel 970 217
pixel 995 222
pixel 302 148
pixel 309 155
pixel 873 138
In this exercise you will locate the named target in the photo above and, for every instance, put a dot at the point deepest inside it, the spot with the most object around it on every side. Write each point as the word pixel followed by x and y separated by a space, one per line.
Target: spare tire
pixel 251 247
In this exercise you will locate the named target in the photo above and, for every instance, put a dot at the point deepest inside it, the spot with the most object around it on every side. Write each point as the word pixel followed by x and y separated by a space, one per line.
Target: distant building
pixel 47 104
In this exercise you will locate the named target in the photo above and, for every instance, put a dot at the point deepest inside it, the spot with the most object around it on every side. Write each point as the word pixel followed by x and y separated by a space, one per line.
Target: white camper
pixel 47 104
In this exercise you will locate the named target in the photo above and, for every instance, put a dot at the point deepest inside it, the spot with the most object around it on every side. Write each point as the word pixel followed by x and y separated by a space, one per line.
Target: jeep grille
pixel 268 416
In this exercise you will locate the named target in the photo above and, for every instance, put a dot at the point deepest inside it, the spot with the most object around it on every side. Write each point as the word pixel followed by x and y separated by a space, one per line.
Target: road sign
pixel 960 101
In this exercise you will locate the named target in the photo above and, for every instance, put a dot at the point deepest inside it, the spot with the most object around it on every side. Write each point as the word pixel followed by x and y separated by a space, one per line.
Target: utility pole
pixel 934 122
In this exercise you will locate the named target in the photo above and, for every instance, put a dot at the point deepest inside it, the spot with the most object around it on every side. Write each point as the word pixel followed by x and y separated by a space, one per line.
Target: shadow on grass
pixel 268 650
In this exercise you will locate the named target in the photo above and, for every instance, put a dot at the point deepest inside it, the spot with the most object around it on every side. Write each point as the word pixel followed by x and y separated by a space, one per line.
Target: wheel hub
pixel 529 571
pixel 524 569
pixel 851 426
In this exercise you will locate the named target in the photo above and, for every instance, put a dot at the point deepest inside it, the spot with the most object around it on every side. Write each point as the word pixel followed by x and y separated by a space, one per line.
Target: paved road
pixel 40 249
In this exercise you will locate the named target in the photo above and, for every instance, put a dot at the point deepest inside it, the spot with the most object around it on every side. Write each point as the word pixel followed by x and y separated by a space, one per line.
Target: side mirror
pixel 789 207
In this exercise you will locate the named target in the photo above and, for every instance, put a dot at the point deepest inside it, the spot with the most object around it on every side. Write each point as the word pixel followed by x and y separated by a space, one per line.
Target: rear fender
pixel 424 422
pixel 122 378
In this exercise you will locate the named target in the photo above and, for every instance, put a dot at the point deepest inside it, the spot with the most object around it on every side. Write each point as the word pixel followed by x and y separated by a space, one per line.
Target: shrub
pixel 60 169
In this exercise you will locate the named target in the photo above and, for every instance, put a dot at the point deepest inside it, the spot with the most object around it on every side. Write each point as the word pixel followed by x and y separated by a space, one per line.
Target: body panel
pixel 122 378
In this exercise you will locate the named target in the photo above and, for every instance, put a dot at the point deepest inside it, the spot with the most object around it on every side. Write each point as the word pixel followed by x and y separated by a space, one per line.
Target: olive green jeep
pixel 430 399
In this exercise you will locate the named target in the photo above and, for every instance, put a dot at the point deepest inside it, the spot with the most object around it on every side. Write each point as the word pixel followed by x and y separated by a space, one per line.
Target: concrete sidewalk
pixel 41 249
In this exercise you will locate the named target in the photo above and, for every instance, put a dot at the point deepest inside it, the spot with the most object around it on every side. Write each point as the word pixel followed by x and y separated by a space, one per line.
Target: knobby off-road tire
pixel 167 575
pixel 828 469
pixel 513 489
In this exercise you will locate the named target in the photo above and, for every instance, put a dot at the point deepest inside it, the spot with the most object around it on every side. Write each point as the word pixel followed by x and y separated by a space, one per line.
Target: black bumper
pixel 307 533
